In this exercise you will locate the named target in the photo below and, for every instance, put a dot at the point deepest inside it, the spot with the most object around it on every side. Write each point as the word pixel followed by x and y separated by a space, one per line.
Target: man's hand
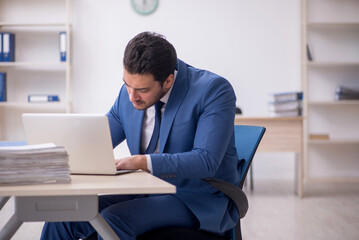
pixel 134 162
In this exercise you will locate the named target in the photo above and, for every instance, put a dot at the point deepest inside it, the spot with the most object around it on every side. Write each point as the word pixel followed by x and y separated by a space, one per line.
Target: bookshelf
pixel 331 30
pixel 333 103
pixel 37 68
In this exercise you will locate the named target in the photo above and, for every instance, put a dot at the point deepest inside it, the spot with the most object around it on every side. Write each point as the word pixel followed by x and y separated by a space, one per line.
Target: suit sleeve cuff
pixel 149 163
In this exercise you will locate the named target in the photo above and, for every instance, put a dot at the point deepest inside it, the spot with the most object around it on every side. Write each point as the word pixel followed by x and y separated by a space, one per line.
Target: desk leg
pixel 3 201
pixel 10 228
pixel 102 228
pixel 58 208
pixel 299 189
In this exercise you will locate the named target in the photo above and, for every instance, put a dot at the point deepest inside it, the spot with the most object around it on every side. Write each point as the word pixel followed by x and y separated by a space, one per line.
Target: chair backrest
pixel 247 139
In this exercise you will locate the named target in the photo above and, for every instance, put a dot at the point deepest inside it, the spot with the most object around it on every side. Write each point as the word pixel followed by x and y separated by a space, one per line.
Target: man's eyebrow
pixel 135 88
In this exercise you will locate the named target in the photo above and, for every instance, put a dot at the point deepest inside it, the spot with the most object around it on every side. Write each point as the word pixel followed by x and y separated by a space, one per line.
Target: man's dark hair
pixel 150 53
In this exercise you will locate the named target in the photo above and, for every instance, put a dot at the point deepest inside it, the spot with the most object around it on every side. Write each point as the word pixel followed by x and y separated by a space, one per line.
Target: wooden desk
pixel 283 134
pixel 77 201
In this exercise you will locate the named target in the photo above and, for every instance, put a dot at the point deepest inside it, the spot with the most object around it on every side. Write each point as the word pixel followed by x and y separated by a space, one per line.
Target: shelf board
pixel 34 24
pixel 266 118
pixel 332 64
pixel 333 103
pixel 334 141
pixel 332 180
pixel 333 24
pixel 33 64
pixel 57 105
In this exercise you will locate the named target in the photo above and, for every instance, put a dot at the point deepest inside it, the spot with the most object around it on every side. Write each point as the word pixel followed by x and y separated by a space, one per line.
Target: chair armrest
pixel 233 192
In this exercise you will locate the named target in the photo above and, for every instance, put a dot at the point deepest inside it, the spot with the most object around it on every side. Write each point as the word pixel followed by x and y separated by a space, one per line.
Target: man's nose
pixel 133 95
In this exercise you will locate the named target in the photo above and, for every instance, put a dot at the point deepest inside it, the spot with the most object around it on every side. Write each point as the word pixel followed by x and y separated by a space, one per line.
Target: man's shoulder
pixel 204 77
pixel 207 79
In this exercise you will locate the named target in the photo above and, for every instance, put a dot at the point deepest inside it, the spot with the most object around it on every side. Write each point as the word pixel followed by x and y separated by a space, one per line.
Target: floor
pixel 328 211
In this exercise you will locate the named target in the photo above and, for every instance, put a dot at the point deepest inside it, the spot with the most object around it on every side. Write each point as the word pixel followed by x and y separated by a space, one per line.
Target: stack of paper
pixel 285 104
pixel 34 164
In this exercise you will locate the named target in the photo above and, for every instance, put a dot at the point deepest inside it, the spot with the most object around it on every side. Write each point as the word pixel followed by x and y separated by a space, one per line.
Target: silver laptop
pixel 86 138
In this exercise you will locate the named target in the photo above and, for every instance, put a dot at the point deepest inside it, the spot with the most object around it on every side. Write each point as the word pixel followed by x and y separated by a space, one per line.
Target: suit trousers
pixel 129 216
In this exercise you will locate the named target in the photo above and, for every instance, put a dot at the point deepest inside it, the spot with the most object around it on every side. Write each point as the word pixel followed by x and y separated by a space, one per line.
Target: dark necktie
pixel 156 131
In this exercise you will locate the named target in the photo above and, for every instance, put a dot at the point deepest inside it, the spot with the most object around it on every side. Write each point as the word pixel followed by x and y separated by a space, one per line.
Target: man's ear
pixel 167 84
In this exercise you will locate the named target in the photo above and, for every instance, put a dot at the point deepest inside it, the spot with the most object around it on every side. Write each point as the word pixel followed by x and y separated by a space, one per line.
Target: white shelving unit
pixel 331 30
pixel 37 68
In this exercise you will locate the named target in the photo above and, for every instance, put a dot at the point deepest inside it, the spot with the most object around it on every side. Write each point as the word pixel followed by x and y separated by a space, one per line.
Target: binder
pixel 8 47
pixel 309 53
pixel 2 87
pixel 346 93
pixel 37 98
pixel 285 105
pixel 285 96
pixel 62 46
pixel 1 47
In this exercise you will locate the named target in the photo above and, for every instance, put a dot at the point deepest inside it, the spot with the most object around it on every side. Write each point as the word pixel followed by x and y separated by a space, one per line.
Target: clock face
pixel 144 7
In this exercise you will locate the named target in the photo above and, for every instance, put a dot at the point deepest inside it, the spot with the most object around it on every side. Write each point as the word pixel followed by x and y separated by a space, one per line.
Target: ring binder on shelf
pixel 62 46
pixel 2 87
pixel 8 47
pixel 1 47
pixel 37 98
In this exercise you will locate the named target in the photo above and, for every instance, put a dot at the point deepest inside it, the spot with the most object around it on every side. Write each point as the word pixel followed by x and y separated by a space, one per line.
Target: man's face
pixel 143 90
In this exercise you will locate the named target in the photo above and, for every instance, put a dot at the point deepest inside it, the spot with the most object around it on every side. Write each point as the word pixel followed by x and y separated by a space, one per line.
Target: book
pixel 62 46
pixel 8 47
pixel 285 96
pixel 36 98
pixel 34 164
pixel 2 87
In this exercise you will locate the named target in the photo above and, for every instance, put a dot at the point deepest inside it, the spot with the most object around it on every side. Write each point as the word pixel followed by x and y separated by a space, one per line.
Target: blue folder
pixel 43 98
pixel 62 46
pixel 2 87
pixel 8 47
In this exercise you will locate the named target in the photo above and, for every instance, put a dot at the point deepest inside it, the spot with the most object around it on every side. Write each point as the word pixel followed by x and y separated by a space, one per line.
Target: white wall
pixel 254 44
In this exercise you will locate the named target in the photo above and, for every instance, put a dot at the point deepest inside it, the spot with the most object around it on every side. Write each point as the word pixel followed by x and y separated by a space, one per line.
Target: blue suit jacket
pixel 196 141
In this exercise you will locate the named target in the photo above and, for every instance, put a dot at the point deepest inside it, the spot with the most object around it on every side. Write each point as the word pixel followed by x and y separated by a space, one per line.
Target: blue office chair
pixel 247 139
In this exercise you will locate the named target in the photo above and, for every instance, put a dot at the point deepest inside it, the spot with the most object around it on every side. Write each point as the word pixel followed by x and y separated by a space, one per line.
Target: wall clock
pixel 144 7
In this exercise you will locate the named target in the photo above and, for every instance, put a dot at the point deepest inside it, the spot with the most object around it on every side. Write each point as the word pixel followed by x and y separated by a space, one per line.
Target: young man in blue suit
pixel 193 110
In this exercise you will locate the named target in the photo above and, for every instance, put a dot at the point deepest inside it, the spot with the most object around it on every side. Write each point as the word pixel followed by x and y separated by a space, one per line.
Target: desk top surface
pixel 131 183
pixel 267 118
pixel 283 134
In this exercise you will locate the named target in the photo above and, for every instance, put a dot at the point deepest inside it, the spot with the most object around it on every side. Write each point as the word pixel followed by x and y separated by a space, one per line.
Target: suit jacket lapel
pixel 178 93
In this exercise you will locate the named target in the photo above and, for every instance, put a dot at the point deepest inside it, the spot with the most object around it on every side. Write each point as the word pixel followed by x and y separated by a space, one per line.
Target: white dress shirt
pixel 148 125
